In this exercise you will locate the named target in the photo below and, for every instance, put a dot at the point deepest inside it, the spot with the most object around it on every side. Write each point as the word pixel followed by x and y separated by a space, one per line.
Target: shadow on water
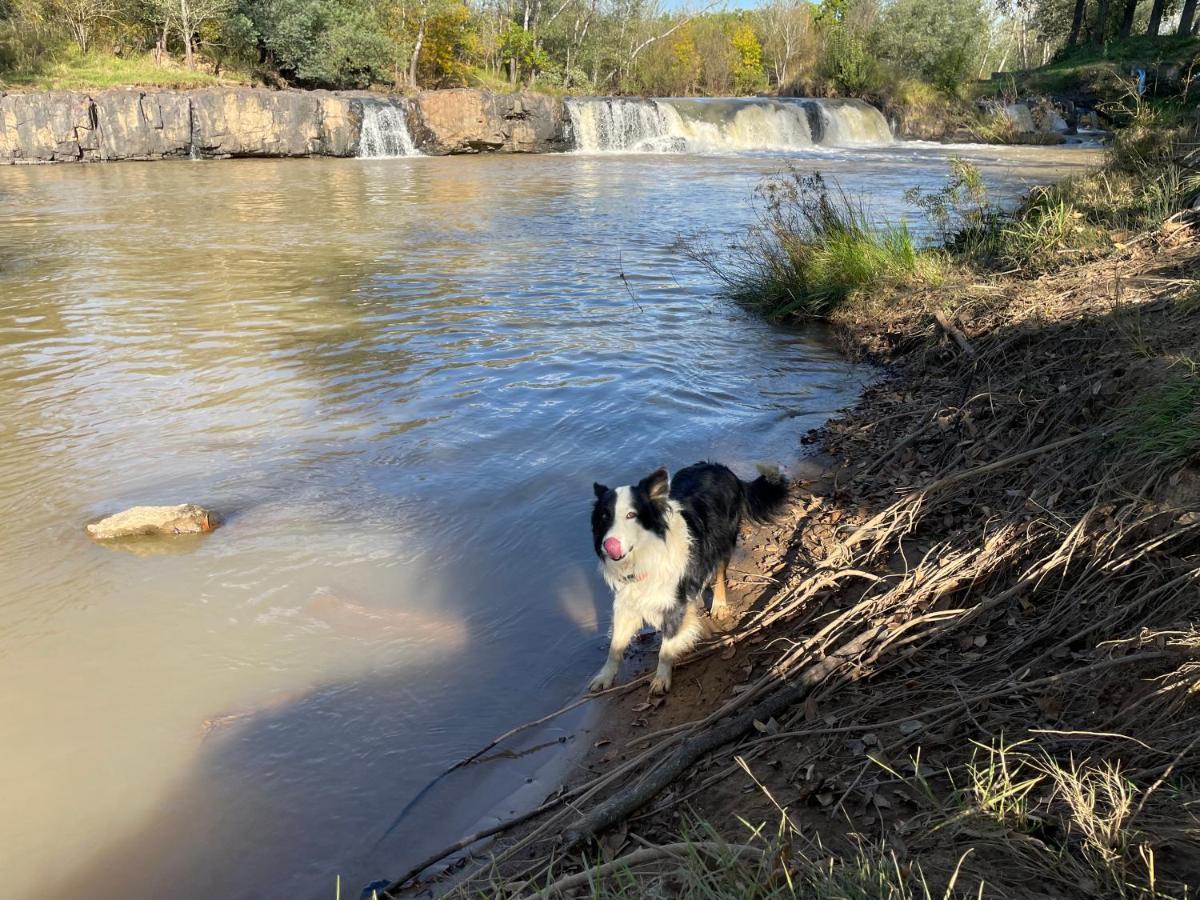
pixel 245 821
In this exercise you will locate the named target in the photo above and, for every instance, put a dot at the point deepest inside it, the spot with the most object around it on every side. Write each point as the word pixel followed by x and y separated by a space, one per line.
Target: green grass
pixel 1097 73
pixel 72 70
pixel 1165 425
pixel 814 247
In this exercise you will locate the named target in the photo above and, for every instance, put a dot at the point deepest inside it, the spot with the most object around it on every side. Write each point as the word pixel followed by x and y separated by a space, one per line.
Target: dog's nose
pixel 613 548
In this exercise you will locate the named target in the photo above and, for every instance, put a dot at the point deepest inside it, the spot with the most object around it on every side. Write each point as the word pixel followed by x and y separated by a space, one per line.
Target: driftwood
pixel 959 338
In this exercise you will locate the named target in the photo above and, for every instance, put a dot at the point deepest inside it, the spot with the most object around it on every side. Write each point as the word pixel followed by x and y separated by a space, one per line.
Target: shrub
pixel 812 248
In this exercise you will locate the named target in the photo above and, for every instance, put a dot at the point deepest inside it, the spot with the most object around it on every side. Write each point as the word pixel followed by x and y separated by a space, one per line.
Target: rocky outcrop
pixel 137 125
pixel 75 126
pixel 471 121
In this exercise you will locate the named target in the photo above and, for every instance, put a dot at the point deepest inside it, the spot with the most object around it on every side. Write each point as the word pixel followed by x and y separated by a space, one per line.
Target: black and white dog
pixel 661 542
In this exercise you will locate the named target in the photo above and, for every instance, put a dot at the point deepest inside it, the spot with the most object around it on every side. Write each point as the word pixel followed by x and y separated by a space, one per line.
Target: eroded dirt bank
pixel 970 654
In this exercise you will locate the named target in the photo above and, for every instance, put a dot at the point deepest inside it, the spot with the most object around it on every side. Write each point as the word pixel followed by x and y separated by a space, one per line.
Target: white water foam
pixel 721 125
pixel 385 132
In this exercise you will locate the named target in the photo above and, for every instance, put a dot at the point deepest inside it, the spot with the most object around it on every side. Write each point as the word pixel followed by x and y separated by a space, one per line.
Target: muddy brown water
pixel 397 379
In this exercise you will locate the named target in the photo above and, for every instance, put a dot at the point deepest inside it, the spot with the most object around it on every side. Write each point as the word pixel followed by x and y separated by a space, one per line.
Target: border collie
pixel 661 542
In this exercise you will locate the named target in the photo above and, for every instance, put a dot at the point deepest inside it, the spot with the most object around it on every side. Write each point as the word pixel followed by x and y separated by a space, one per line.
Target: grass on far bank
pixel 1095 73
pixel 70 69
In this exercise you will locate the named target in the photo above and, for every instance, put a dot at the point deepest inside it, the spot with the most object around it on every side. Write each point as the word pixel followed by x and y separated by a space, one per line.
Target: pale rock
pixel 186 518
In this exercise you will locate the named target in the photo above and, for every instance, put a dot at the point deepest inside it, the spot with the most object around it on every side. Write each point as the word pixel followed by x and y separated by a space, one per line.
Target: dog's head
pixel 626 517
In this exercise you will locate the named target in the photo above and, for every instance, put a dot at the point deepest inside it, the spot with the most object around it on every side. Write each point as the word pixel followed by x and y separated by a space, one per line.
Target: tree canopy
pixel 823 47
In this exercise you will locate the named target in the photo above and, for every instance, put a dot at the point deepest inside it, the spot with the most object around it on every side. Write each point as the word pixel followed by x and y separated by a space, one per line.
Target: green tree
pixel 941 43
pixel 326 43
pixel 748 74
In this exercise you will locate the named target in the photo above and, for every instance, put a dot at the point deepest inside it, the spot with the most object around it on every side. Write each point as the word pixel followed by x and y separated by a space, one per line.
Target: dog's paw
pixel 602 682
pixel 660 686
pixel 721 620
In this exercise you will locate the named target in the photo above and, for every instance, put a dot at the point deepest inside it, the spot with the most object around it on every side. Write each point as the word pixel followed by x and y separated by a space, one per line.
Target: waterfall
pixel 385 132
pixel 721 125
pixel 619 124
pixel 852 123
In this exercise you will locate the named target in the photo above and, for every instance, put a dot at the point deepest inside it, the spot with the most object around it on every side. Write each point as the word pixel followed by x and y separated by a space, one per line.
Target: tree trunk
pixel 186 30
pixel 416 55
pixel 1127 17
pixel 1101 25
pixel 1156 14
pixel 1076 23
pixel 1187 17
pixel 160 47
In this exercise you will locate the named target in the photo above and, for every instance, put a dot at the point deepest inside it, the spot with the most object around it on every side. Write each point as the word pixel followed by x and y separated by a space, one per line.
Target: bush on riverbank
pixel 812 248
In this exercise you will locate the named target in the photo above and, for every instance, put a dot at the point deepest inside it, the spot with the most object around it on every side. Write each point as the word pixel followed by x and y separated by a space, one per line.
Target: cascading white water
pixel 623 125
pixel 852 123
pixel 721 125
pixel 385 132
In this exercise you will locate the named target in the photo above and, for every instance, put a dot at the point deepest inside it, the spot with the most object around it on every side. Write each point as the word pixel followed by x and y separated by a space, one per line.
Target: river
pixel 397 379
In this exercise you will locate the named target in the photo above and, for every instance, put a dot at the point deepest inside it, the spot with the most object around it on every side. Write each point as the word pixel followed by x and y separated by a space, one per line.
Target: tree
pixel 748 75
pixel 1127 18
pixel 1100 29
pixel 1187 17
pixel 941 43
pixel 81 17
pixel 1076 23
pixel 1156 14
pixel 787 38
pixel 323 43
pixel 194 15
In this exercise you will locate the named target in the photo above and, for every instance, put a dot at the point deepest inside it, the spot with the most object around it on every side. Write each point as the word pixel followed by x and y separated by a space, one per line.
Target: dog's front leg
pixel 625 625
pixel 680 630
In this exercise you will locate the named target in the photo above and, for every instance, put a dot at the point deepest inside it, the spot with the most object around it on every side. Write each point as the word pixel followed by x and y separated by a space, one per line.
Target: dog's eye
pixel 631 515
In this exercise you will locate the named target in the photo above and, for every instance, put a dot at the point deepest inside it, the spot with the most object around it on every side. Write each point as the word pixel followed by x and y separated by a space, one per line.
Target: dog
pixel 661 542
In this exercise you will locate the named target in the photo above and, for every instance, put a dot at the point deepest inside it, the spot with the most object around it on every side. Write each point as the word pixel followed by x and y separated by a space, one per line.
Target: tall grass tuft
pixel 812 247
pixel 1165 425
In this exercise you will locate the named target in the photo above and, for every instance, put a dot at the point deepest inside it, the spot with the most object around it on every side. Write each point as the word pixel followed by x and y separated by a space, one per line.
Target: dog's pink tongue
pixel 613 548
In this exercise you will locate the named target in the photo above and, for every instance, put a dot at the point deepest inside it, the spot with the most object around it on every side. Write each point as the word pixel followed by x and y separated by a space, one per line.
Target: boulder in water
pixel 187 518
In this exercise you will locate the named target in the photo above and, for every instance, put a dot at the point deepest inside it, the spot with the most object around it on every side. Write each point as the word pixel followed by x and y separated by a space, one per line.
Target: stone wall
pixel 75 126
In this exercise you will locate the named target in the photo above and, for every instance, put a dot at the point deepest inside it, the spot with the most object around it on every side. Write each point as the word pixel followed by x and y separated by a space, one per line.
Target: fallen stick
pixel 647 854
pixel 959 338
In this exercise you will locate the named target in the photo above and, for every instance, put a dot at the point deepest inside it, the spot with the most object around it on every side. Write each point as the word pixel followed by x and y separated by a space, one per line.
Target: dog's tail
pixel 765 496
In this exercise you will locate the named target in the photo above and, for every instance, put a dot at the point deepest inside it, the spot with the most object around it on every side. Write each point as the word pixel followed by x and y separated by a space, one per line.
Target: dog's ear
pixel 656 484
pixel 599 489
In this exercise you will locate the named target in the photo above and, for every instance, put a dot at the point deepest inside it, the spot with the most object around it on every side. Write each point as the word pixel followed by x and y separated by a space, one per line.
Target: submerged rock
pixel 187 518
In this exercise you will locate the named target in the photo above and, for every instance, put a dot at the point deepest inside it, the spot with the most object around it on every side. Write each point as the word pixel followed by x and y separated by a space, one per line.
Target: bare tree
pixel 193 15
pixel 81 17
pixel 788 29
